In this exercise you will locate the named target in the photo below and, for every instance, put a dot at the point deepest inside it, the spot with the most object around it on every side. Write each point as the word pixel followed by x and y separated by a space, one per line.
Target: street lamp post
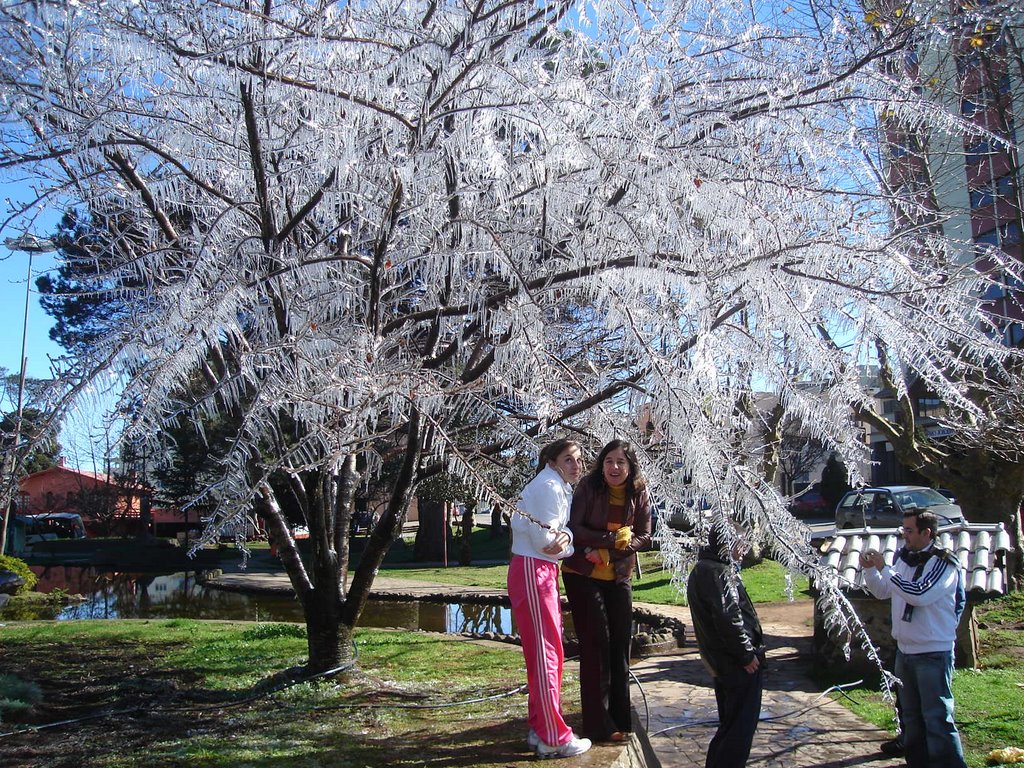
pixel 31 245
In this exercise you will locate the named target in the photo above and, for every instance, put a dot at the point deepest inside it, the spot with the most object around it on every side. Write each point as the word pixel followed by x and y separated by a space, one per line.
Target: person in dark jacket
pixel 610 522
pixel 731 646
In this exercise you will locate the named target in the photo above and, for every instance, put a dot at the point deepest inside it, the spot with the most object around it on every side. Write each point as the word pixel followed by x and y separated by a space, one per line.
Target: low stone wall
pixel 657 633
pixel 829 646
pixel 876 615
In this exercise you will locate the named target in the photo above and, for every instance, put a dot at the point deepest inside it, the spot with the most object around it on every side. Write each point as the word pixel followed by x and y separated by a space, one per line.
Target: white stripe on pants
pixel 533 592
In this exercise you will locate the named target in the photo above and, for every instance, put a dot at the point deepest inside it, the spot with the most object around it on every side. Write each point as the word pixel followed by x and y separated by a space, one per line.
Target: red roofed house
pixel 108 508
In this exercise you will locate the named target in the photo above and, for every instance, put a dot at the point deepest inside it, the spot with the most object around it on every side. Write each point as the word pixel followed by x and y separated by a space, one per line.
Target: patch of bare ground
pixel 92 702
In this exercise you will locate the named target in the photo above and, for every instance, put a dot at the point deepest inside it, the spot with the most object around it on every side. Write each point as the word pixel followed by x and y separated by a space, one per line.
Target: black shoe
pixel 893 748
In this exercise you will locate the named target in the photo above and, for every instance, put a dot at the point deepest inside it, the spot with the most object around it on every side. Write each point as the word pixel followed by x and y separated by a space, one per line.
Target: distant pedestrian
pixel 926 585
pixel 539 540
pixel 731 644
pixel 610 522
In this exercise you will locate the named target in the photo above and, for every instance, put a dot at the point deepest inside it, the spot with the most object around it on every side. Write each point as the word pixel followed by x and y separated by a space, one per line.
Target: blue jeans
pixel 926 697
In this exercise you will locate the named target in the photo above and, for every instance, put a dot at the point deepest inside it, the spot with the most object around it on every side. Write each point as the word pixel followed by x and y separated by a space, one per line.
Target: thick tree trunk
pixel 466 536
pixel 967 645
pixel 496 521
pixel 434 542
pixel 388 527
pixel 331 614
pixel 329 638
pixel 991 494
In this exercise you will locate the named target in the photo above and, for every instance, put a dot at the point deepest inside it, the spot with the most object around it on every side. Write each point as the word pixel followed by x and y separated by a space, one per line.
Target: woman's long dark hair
pixel 635 483
pixel 552 451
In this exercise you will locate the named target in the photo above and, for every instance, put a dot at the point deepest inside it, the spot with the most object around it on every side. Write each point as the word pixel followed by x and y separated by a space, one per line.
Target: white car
pixel 884 506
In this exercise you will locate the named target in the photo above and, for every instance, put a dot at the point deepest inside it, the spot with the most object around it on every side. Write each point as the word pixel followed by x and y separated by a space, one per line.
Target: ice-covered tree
pixel 428 233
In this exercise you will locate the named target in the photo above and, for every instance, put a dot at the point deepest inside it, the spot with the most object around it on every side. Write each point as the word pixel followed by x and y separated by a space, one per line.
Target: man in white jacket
pixel 540 539
pixel 926 586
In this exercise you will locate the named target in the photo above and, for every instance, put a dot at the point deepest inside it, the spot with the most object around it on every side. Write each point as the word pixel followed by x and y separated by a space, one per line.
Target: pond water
pixel 120 595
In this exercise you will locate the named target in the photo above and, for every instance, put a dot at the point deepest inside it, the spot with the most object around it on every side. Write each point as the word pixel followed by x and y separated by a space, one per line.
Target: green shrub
pixel 17 695
pixel 20 567
pixel 268 631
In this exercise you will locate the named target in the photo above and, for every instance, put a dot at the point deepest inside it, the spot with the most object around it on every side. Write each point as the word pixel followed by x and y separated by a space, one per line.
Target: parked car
pixel 682 516
pixel 810 504
pixel 51 526
pixel 362 521
pixel 884 506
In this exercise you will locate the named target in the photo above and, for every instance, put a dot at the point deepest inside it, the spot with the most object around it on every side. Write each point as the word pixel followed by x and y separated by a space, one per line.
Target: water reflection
pixel 174 596
pixel 118 595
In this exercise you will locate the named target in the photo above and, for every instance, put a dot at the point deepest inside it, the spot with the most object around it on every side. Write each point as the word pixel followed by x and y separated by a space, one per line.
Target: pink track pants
pixel 533 591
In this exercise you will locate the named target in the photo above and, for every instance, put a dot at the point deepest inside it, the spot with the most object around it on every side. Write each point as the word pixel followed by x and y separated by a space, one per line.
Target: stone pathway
pixel 799 729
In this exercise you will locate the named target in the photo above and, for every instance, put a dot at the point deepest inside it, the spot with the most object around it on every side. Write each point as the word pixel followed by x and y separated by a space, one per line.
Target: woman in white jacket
pixel 539 540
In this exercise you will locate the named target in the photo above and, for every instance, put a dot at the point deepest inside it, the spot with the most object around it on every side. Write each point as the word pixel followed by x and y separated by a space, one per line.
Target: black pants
pixel 602 615
pixel 738 695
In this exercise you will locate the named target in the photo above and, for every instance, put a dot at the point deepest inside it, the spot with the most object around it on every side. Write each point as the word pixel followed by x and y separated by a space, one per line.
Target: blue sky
pixel 13 275
pixel 39 349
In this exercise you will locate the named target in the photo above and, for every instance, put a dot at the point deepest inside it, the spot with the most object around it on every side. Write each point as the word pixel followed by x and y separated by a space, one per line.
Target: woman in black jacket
pixel 610 522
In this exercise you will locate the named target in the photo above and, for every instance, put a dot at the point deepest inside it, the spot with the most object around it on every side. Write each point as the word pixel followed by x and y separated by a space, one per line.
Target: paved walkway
pixel 675 704
pixel 800 728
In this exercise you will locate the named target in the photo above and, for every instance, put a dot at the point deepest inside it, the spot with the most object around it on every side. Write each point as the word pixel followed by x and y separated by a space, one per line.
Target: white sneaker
pixel 574 746
pixel 532 739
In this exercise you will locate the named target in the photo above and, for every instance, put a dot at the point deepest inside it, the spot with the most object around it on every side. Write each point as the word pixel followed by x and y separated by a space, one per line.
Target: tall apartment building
pixel 970 187
pixel 990 91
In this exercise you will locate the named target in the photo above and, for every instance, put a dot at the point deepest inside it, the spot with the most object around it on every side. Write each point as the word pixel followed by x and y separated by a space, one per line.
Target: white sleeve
pixel 544 503
pixel 877 582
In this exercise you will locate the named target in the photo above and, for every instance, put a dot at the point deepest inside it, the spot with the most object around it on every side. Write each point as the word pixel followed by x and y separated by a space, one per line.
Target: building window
pixel 1005 235
pixel 978 151
pixel 988 238
pixel 929 406
pixel 998 189
pixel 1013 335
pixel 993 292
